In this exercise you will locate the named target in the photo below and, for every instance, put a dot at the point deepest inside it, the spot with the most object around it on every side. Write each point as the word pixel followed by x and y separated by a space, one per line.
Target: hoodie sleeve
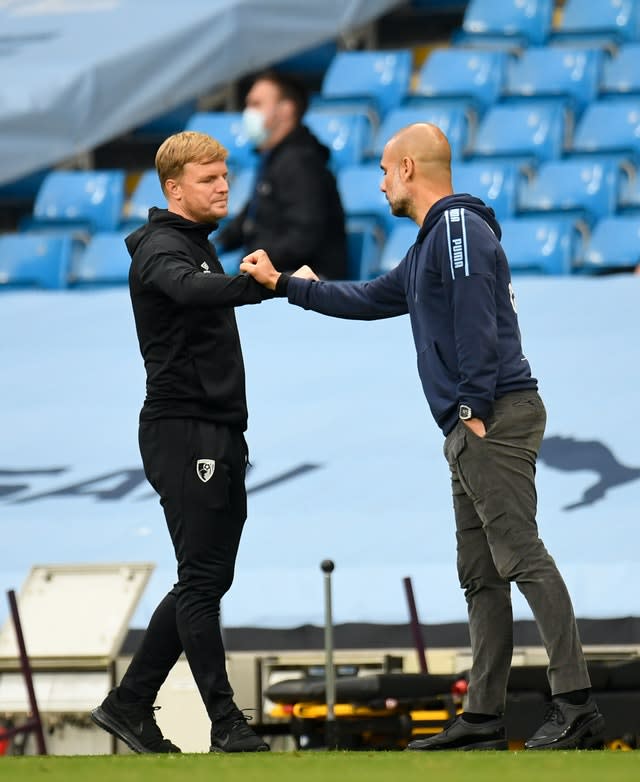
pixel 469 274
pixel 383 297
pixel 176 277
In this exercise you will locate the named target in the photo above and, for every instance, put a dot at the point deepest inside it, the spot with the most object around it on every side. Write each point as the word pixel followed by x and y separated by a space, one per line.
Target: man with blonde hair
pixel 455 284
pixel 191 439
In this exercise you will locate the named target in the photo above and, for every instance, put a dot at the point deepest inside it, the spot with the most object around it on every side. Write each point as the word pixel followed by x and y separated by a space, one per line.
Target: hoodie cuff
pixel 282 285
pixel 480 408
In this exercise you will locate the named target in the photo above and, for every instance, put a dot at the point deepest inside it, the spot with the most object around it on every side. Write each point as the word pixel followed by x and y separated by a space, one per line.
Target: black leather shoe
pixel 465 736
pixel 569 727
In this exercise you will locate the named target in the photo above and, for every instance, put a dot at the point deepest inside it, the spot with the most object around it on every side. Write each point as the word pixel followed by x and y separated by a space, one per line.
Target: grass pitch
pixel 324 766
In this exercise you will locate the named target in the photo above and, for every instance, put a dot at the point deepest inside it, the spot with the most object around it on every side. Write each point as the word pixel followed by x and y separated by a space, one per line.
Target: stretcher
pixel 386 711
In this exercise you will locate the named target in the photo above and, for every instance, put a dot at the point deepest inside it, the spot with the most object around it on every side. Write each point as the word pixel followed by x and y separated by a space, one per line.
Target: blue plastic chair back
pixel 587 187
pixel 35 260
pixel 527 19
pixel 359 188
pixel 398 243
pixel 568 73
pixel 452 120
pixel 381 77
pixel 105 261
pixel 494 181
pixel 530 133
pixel 609 126
pixel 540 245
pixel 614 244
pixel 617 19
pixel 92 198
pixel 621 73
pixel 475 75
pixel 226 127
pixel 348 136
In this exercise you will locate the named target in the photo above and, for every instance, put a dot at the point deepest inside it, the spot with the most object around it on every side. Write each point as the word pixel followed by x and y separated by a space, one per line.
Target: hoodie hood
pixel 163 218
pixel 462 200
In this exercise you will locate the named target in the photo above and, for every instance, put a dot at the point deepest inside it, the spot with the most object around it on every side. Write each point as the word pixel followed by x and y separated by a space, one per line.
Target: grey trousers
pixel 494 500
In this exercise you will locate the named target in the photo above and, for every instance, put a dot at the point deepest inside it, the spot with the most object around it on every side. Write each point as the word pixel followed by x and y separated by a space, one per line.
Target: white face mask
pixel 253 126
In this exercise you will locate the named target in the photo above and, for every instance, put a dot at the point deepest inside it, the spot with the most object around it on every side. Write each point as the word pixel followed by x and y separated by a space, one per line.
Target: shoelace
pixel 242 720
pixel 555 714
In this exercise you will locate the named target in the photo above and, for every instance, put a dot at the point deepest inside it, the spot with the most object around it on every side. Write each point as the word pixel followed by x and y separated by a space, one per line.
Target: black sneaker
pixel 133 723
pixel 464 735
pixel 232 734
pixel 569 727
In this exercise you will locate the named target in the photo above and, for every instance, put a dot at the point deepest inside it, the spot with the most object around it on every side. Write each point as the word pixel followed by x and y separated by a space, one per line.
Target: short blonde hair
pixel 188 146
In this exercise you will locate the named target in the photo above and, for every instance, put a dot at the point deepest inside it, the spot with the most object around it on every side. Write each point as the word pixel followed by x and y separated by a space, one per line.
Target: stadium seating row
pixel 555 245
pixel 589 187
pixel 526 22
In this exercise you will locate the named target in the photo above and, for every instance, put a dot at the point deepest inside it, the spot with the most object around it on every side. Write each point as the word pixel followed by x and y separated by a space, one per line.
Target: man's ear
pixel 407 168
pixel 172 188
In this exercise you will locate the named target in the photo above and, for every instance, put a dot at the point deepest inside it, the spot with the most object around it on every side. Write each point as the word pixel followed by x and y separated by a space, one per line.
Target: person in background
pixel 295 211
pixel 455 284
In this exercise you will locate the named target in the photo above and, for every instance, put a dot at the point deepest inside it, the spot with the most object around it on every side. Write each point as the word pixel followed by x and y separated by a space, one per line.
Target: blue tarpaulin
pixel 76 73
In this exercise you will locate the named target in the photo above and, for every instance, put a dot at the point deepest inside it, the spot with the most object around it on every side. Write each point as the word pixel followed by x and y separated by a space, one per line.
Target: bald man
pixel 454 283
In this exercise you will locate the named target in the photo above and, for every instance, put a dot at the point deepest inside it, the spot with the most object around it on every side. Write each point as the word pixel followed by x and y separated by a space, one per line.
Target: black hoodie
pixel 183 307
pixel 456 286
pixel 296 214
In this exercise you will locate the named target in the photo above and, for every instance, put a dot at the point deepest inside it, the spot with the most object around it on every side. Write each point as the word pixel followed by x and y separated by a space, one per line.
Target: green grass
pixel 324 766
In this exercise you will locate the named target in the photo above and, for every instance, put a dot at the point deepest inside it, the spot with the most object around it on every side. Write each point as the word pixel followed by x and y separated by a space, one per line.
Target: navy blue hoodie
pixel 456 286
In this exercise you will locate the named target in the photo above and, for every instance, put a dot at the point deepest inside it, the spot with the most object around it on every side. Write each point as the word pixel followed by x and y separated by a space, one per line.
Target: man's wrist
pixel 282 284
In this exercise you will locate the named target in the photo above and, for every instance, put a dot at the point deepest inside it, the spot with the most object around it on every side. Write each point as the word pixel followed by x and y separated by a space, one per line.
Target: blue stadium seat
pixel 348 135
pixel 364 246
pixel 523 21
pixel 226 127
pixel 400 240
pixel 359 188
pixel 362 79
pixel 601 21
pixel 35 260
pixel 92 200
pixel 474 76
pixel 494 181
pixel 147 193
pixel 587 188
pixel 555 72
pixel 105 261
pixel 610 127
pixel 528 133
pixel 452 120
pixel 614 245
pixel 621 73
pixel 541 245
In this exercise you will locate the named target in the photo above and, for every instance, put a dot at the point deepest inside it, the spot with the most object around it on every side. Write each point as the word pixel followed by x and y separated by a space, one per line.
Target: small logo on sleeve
pixel 205 267
pixel 205 469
